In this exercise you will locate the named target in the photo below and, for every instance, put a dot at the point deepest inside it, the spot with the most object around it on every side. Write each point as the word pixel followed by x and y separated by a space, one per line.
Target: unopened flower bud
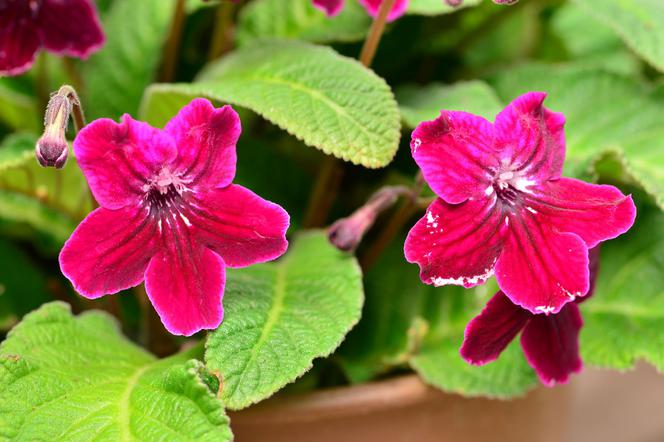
pixel 52 147
pixel 346 233
pixel 454 3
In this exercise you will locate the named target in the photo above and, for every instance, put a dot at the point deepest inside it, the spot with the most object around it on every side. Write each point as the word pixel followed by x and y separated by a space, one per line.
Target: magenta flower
pixel 504 208
pixel 64 27
pixel 549 342
pixel 169 214
pixel 334 7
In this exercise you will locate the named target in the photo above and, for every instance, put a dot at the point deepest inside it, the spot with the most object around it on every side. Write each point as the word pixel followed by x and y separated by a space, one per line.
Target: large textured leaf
pixel 280 316
pixel 424 103
pixel 407 322
pixel 22 284
pixel 606 114
pixel 298 19
pixel 436 7
pixel 328 101
pixel 625 318
pixel 638 22
pixel 50 200
pixel 116 76
pixel 66 378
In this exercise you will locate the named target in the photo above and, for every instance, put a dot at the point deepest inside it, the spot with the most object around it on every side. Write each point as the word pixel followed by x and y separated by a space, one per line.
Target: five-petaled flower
pixel 504 208
pixel 64 27
pixel 169 214
pixel 549 342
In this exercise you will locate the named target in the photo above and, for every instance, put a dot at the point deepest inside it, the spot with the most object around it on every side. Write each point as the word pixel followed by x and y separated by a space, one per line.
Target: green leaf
pixel 117 75
pixel 437 7
pixel 424 103
pixel 625 318
pixel 407 322
pixel 606 115
pixel 637 22
pixel 16 150
pixel 50 200
pixel 22 284
pixel 67 378
pixel 597 45
pixel 300 20
pixel 328 101
pixel 280 316
pixel 17 110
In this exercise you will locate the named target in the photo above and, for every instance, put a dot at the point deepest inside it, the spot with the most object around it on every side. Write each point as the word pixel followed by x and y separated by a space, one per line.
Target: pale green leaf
pixel 116 76
pixel 625 317
pixel 606 114
pixel 300 20
pixel 406 322
pixel 437 7
pixel 637 22
pixel 424 103
pixel 69 378
pixel 279 316
pixel 328 101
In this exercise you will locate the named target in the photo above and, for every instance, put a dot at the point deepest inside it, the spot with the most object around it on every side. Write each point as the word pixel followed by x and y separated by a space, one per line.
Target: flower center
pixel 509 185
pixel 163 193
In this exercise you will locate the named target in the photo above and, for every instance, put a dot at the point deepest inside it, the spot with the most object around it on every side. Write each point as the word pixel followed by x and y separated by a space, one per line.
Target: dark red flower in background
pixel 169 214
pixel 550 342
pixel 64 27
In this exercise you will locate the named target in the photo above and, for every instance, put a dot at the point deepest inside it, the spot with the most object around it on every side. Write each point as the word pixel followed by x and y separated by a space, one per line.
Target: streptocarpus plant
pixel 155 208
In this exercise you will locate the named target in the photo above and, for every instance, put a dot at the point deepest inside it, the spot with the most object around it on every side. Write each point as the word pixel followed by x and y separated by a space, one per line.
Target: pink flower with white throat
pixel 503 207
pixel 169 214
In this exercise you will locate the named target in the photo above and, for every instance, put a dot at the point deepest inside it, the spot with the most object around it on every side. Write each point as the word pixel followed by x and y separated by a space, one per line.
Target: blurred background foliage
pixel 600 62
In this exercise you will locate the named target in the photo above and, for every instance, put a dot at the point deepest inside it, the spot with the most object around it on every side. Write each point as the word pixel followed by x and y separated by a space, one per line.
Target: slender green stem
pixel 172 47
pixel 394 225
pixel 375 33
pixel 331 173
pixel 224 30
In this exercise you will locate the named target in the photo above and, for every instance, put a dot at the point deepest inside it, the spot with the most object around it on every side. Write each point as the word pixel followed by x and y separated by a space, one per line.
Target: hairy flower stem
pixel 408 207
pixel 172 48
pixel 375 33
pixel 224 30
pixel 331 172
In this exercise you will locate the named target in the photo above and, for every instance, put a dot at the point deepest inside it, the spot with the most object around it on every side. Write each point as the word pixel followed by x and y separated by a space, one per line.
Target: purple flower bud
pixel 346 233
pixel 52 148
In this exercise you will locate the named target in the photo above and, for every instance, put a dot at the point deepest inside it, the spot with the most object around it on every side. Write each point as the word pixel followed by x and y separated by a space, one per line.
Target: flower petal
pixel 455 154
pixel 592 211
pixel 118 159
pixel 240 226
pixel 185 283
pixel 540 268
pixel 489 333
pixel 19 39
pixel 398 9
pixel 109 251
pixel 456 244
pixel 70 27
pixel 531 138
pixel 551 344
pixel 206 138
pixel 330 7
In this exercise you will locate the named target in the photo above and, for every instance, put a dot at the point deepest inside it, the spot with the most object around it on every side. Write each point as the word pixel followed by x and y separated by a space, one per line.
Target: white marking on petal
pixel 546 309
pixel 186 220
pixel 465 280
pixel 159 225
pixel 488 191
pixel 416 143
pixel 530 209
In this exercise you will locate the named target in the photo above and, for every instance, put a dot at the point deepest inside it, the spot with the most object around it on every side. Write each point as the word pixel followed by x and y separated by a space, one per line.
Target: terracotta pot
pixel 402 409
pixel 597 406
